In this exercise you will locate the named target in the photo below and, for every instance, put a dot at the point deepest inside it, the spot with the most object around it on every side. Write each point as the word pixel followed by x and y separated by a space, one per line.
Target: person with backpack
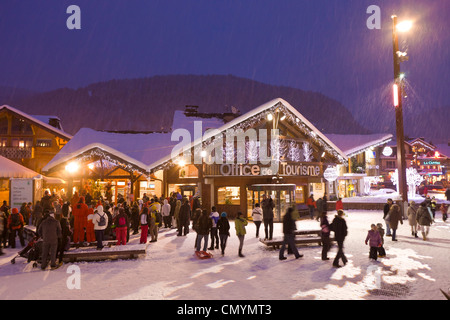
pixel 100 221
pixel 214 235
pixel 15 225
pixel 121 222
pixel 223 226
pixel 144 225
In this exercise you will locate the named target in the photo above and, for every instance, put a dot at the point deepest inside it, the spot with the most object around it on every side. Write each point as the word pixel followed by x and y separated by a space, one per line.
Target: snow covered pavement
pixel 413 269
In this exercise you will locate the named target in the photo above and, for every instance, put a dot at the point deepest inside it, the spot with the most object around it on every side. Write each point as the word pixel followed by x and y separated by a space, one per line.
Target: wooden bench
pixel 106 243
pixel 301 237
pixel 303 232
pixel 117 252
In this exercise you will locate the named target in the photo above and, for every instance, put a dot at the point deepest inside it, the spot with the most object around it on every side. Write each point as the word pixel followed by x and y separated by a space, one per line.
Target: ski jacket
pixel 223 226
pixel 257 214
pixel 239 225
pixel 214 218
pixel 97 217
pixel 374 238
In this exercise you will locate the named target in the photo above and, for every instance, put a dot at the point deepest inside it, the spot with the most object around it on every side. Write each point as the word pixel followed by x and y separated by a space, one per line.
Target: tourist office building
pixel 229 161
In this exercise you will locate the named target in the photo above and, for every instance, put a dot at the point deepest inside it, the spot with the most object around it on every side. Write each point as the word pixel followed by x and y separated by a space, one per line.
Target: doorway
pixel 283 196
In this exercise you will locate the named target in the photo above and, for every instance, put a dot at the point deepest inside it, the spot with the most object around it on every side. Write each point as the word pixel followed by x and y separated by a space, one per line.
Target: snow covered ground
pixel 413 269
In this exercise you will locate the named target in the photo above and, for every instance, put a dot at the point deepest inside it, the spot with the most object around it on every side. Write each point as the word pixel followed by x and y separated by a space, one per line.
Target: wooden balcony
pixel 16 152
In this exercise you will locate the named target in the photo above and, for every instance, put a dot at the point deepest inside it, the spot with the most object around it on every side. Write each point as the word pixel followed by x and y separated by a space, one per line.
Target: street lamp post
pixel 401 161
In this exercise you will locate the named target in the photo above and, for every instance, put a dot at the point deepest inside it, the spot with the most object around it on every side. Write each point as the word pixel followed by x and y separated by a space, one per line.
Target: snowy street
pixel 413 269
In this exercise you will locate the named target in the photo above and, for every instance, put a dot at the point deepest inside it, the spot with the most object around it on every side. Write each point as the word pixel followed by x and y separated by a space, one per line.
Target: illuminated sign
pixel 387 152
pixel 286 169
pixel 431 163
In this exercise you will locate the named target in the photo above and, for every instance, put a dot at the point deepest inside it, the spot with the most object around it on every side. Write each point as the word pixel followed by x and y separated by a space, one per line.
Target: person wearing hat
pixel 224 231
pixel 15 225
pixel 412 213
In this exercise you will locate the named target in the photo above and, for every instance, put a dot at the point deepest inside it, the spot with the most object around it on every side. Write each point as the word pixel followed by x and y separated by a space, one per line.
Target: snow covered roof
pixel 136 148
pixel 47 119
pixel 253 113
pixel 37 121
pixel 181 120
pixel 148 151
pixel 352 144
pixel 10 169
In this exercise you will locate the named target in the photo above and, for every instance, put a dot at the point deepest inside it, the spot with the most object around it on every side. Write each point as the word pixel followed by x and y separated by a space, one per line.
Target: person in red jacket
pixel 15 224
pixel 339 205
pixel 90 233
pixel 311 203
pixel 80 213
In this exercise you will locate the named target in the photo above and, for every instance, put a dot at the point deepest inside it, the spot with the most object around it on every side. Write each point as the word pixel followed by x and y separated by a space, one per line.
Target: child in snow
pixel 381 251
pixel 374 240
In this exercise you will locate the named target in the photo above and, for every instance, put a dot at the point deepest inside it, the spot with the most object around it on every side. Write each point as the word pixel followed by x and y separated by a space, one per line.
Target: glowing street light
pixel 72 167
pixel 404 26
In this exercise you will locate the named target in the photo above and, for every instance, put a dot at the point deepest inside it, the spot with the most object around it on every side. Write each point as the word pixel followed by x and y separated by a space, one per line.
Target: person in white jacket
pixel 165 212
pixel 100 221
pixel 257 215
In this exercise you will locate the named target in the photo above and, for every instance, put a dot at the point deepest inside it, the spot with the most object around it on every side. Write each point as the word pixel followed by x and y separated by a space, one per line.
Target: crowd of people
pixel 84 220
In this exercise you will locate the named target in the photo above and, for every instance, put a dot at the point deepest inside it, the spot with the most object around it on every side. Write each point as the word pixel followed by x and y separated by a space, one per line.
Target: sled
pixel 203 255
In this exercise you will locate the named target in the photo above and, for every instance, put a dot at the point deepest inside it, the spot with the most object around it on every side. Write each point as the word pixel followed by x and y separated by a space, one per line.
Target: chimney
pixel 190 110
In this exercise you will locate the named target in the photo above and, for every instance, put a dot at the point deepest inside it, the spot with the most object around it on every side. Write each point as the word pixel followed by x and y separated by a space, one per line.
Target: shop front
pixel 233 190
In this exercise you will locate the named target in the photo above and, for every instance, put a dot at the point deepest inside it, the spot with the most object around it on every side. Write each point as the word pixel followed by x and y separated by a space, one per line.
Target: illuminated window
pixel 43 143
pixel 229 195
pixel 188 171
pixel 21 142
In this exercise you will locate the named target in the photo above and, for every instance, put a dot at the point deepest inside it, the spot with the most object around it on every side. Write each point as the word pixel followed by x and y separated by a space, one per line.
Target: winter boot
pixel 415 235
pixel 240 254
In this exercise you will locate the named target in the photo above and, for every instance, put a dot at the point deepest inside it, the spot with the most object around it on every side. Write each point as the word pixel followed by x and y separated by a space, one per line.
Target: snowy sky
pixel 317 45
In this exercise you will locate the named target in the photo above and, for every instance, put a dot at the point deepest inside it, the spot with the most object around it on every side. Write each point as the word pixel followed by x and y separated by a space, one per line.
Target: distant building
pixel 31 141
pixel 431 161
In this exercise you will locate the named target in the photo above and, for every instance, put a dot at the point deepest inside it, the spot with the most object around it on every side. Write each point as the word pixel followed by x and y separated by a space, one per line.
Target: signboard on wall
pixel 20 191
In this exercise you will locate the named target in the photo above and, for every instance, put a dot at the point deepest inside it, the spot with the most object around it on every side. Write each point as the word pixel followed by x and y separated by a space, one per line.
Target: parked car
pixel 432 190
pixel 384 185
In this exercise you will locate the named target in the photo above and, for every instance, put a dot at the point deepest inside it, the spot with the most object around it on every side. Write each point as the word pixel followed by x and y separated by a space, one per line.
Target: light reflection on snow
pixel 389 277
pixel 219 283
pixel 214 269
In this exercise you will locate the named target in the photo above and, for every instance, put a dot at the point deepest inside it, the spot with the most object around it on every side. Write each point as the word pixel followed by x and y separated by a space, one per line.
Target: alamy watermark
pixel 230 147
